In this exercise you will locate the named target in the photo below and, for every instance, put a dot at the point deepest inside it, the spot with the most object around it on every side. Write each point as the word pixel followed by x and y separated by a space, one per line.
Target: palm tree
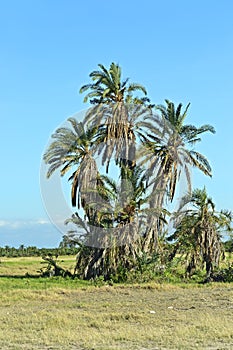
pixel 73 150
pixel 128 198
pixel 107 128
pixel 198 233
pixel 111 128
pixel 167 151
pixel 117 115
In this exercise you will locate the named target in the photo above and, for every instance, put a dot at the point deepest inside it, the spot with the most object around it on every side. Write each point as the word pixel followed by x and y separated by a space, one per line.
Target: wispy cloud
pixel 16 224
pixel 3 223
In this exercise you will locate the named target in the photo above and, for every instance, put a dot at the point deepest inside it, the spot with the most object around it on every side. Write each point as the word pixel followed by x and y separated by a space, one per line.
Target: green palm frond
pixel 108 86
pixel 110 182
pixel 201 162
pixel 137 87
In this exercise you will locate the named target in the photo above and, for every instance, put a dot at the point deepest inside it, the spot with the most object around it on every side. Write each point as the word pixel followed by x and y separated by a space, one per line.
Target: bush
pixel 222 275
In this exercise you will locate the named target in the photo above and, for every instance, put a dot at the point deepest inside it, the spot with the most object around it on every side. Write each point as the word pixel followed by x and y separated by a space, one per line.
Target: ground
pixel 58 314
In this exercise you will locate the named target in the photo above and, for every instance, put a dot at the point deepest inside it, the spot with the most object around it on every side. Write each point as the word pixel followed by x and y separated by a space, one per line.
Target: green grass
pixel 24 266
pixel 69 314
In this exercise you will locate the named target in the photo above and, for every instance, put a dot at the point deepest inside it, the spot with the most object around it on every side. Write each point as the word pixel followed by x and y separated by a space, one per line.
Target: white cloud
pixel 3 223
pixel 38 222
pixel 22 223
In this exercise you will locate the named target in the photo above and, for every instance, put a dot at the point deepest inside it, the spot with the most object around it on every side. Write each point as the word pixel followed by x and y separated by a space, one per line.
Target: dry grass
pixel 49 314
pixel 121 317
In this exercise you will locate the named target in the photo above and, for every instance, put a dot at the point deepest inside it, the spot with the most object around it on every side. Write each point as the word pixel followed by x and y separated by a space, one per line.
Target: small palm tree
pixel 128 198
pixel 198 233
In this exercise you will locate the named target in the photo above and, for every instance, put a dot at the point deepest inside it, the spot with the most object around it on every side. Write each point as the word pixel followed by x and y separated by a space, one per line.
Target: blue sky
pixel 180 50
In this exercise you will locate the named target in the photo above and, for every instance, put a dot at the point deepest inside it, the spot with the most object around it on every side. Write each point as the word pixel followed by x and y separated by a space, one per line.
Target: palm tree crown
pixel 107 87
pixel 167 150
pixel 73 150
pixel 115 113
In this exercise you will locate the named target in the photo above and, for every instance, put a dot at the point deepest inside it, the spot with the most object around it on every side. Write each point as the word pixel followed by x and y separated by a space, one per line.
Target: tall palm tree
pixel 107 128
pixel 198 233
pixel 117 114
pixel 167 150
pixel 72 150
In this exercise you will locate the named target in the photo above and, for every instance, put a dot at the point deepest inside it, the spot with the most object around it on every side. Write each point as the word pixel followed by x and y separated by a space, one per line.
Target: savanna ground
pixel 54 313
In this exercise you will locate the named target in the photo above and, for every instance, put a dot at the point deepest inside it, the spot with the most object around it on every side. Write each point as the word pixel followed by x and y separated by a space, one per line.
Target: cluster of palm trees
pixel 146 148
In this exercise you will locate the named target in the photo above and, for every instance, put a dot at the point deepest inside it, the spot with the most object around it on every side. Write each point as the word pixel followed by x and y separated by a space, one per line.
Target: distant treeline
pixel 23 251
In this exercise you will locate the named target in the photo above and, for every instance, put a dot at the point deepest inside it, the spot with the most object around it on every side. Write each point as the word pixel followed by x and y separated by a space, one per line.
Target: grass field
pixel 24 266
pixel 54 313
